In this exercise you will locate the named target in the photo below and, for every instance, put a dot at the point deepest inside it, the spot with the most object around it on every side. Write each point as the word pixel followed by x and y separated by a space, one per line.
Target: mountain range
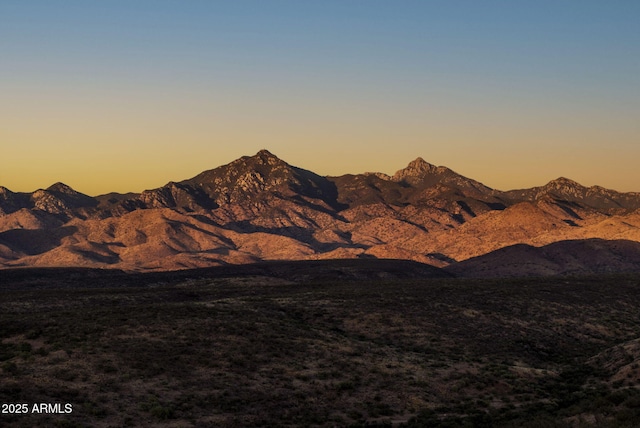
pixel 260 208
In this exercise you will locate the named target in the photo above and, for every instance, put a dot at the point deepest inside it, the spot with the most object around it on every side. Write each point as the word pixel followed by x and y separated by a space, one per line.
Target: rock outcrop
pixel 261 208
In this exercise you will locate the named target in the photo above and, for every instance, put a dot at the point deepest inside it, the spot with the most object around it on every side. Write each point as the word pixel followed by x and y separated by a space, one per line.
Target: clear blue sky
pixel 127 95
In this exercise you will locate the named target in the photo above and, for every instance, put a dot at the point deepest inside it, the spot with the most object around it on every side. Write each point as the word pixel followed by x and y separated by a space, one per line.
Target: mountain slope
pixel 261 208
pixel 590 256
pixel 568 191
pixel 56 199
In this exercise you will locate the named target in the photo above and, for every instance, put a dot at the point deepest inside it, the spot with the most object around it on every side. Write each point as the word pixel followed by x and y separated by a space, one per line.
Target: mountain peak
pixel 265 153
pixel 264 156
pixel 262 174
pixel 418 160
pixel 416 169
pixel 562 183
pixel 61 188
pixel 420 164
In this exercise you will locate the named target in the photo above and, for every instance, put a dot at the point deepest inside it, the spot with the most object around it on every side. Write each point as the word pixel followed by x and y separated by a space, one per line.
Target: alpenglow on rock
pixel 262 208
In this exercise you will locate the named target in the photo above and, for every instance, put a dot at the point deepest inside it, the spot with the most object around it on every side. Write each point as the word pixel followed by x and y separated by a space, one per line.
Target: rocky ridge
pixel 261 208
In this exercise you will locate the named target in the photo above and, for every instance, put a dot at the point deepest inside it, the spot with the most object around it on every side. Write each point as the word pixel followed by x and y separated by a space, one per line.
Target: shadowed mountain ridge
pixel 262 208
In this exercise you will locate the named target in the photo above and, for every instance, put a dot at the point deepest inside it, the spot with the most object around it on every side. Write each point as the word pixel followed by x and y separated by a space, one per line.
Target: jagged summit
pixel 417 168
pixel 260 207
pixel 421 174
pixel 562 182
pixel 260 175
pixel 569 191
pixel 561 187
pixel 60 187
pixel 420 163
pixel 264 158
pixel 265 155
pixel 261 166
pixel 59 198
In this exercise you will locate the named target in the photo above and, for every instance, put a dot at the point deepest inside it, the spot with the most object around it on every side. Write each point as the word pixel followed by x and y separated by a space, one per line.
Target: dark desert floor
pixel 202 348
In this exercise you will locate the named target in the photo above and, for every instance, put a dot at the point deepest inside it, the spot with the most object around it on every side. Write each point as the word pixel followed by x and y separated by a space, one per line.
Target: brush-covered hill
pixel 575 257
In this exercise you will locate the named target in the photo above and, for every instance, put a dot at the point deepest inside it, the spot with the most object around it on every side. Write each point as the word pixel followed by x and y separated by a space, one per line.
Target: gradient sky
pixel 128 95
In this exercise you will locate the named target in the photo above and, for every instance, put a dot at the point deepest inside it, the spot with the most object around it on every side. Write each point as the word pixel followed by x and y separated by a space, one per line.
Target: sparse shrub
pixel 346 385
pixel 25 348
pixel 162 412
pixel 33 334
pixel 7 351
pixel 65 423
pixel 65 374
pixel 42 352
pixel 10 367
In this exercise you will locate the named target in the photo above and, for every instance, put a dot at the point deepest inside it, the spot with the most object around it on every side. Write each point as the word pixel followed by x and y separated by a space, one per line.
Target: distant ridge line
pixel 260 208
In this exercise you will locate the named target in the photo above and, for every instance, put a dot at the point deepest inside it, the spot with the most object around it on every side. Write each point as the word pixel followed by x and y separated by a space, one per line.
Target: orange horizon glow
pixel 123 98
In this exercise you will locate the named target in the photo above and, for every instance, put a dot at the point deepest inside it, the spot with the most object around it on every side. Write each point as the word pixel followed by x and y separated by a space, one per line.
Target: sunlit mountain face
pixel 260 208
